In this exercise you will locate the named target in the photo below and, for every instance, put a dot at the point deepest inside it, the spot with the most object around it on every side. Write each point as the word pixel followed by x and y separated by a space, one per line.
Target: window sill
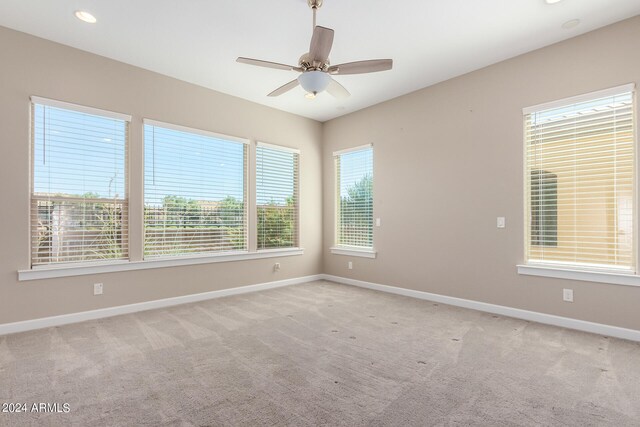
pixel 351 251
pixel 614 278
pixel 49 272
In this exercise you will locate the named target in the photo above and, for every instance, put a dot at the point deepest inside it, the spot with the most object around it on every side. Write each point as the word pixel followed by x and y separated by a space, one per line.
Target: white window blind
pixel 580 175
pixel 277 196
pixel 194 192
pixel 354 178
pixel 79 205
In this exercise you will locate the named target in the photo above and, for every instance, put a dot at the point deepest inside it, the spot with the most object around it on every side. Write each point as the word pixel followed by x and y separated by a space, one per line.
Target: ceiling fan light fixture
pixel 314 81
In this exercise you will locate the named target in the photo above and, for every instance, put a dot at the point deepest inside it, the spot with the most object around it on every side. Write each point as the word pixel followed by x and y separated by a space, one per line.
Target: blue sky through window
pixel 581 109
pixel 275 176
pixel 354 166
pixel 77 153
pixel 193 166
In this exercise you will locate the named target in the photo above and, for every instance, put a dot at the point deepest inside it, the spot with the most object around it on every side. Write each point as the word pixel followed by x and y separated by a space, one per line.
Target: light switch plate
pixel 377 222
pixel 501 222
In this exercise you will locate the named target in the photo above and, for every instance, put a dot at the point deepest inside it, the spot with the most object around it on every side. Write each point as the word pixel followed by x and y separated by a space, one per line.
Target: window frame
pixel 349 250
pixel 126 201
pixel 562 270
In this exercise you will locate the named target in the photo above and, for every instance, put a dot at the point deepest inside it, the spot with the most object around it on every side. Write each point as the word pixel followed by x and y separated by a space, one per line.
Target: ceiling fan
pixel 315 67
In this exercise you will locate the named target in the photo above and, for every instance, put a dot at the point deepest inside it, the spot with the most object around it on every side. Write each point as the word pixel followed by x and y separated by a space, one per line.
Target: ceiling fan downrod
pixel 314 5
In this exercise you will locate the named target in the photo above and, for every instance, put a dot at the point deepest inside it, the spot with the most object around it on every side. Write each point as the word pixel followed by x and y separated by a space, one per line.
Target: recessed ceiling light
pixel 553 1
pixel 85 16
pixel 571 24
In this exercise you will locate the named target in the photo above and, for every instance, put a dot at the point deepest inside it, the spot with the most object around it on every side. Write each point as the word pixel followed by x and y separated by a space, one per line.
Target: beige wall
pixel 449 159
pixel 32 66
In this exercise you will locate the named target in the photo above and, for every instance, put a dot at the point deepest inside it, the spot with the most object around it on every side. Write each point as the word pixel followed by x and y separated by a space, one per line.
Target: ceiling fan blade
pixel 321 43
pixel 267 64
pixel 361 67
pixel 285 88
pixel 337 90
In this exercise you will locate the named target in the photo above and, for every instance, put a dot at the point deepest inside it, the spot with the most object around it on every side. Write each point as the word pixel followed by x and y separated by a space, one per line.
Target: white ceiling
pixel 198 40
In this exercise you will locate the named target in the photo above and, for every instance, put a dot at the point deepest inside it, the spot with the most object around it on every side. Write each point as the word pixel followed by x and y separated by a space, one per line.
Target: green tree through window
pixel 276 196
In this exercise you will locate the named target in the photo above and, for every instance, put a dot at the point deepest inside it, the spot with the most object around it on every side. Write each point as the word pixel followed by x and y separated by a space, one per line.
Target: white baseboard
pixel 47 322
pixel 549 319
pixel 565 322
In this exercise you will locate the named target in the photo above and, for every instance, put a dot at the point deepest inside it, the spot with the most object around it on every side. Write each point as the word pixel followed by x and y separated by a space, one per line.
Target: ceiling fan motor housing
pixel 306 63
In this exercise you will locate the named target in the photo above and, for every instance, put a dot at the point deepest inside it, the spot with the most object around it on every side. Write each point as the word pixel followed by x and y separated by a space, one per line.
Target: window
pixel 195 192
pixel 580 181
pixel 354 179
pixel 277 196
pixel 79 205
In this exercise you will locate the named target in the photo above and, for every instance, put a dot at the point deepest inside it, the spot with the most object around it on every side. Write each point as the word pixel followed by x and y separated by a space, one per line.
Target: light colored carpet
pixel 320 354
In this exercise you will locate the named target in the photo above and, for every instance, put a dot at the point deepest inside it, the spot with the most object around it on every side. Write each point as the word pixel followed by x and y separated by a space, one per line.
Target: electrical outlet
pixel 97 288
pixel 276 266
pixel 350 265
pixel 567 295
pixel 501 222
